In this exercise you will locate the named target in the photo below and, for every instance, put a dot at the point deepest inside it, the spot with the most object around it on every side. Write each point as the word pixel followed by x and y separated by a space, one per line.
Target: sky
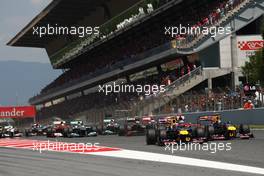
pixel 20 85
pixel 14 15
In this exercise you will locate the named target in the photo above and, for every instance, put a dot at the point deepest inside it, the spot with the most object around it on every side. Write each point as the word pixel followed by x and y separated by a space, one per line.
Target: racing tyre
pixel 86 133
pixel 200 132
pixel 50 133
pixel 67 133
pixel 209 132
pixel 121 131
pixel 151 137
pixel 11 134
pixel 194 134
pixel 244 129
pixel 27 133
pixel 162 134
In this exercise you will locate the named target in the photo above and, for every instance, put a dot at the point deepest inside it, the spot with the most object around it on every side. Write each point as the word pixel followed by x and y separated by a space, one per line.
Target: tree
pixel 254 69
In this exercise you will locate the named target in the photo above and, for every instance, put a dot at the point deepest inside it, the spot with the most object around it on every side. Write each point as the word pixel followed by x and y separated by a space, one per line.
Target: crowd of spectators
pixel 210 16
pixel 96 37
pixel 216 100
pixel 192 101
pixel 129 50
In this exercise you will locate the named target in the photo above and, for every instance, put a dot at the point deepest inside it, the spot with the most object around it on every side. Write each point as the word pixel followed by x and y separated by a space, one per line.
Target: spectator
pixel 248 105
pixel 231 3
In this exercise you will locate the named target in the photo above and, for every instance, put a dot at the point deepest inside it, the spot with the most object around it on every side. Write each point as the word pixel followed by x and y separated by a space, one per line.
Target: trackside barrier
pixel 251 117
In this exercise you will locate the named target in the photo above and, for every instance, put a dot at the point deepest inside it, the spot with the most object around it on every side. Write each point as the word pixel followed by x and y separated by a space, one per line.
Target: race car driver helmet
pixel 181 119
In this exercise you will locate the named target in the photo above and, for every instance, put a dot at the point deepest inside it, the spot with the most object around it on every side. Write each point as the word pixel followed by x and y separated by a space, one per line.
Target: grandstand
pixel 133 48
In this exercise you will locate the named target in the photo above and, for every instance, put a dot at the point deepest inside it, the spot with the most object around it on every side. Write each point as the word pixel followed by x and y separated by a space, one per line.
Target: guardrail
pixel 176 83
pixel 186 77
pixel 153 102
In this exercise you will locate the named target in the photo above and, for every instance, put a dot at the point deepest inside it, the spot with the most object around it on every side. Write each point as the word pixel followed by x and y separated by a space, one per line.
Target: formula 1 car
pixel 217 130
pixel 77 128
pixel 57 129
pixel 110 127
pixel 91 131
pixel 8 130
pixel 148 121
pixel 36 130
pixel 170 130
pixel 131 127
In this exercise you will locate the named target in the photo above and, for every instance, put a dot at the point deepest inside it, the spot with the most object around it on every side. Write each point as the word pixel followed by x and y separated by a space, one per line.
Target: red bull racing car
pixel 173 129
pixel 216 129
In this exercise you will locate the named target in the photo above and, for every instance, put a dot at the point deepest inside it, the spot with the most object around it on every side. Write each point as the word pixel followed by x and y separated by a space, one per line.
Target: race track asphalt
pixel 16 162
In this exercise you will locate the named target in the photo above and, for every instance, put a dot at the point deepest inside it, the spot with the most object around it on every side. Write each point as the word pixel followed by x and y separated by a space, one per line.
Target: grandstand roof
pixel 64 12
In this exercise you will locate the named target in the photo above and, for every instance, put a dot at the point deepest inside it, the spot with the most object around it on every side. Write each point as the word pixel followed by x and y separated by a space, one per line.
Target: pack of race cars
pixel 158 131
pixel 173 129
pixel 75 128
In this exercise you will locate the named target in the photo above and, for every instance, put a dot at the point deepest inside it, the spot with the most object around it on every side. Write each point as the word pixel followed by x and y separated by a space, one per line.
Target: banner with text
pixel 247 45
pixel 18 112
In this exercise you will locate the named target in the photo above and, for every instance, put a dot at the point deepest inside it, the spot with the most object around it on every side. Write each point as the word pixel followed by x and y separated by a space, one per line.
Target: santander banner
pixel 18 112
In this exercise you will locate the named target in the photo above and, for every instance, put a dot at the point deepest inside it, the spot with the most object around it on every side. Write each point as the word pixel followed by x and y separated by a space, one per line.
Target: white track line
pixel 257 129
pixel 147 156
